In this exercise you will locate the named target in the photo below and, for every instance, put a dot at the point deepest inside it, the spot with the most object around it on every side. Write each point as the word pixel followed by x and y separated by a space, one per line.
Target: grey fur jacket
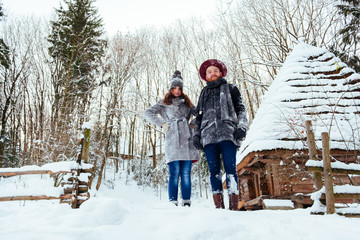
pixel 178 140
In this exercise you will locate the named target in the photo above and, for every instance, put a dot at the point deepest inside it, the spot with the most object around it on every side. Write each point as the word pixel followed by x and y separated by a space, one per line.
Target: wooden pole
pixel 328 178
pixel 313 153
pixel 86 145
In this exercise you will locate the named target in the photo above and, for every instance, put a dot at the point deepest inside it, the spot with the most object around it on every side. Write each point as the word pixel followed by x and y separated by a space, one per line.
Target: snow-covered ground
pixel 131 212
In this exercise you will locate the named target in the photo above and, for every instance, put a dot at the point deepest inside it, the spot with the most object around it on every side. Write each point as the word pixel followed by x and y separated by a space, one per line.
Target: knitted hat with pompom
pixel 176 80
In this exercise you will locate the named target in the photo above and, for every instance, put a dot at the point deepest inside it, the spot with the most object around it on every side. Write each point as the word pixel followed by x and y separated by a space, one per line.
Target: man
pixel 219 128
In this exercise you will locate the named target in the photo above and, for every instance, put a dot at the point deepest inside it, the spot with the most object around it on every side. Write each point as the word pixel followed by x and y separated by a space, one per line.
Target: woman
pixel 175 111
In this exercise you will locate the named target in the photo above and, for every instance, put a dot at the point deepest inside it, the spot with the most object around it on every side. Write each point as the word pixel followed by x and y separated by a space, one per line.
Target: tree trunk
pixel 101 173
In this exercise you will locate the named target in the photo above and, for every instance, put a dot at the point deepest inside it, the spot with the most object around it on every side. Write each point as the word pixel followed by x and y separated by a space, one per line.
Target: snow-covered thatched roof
pixel 313 85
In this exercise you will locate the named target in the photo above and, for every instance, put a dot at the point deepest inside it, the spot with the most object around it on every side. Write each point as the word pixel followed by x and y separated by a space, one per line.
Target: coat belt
pixel 174 126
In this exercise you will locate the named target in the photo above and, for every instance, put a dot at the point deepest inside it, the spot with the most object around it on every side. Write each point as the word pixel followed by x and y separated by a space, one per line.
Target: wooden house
pixel 313 84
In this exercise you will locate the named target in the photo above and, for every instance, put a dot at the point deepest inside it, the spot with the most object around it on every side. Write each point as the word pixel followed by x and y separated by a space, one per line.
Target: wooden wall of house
pixel 284 178
pixel 246 188
pixel 252 186
pixel 277 180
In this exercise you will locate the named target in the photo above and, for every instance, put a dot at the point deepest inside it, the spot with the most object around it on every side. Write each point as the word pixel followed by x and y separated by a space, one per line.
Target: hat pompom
pixel 177 74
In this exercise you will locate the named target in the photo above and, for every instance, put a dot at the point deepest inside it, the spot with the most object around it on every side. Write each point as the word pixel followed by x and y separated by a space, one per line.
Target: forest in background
pixel 57 74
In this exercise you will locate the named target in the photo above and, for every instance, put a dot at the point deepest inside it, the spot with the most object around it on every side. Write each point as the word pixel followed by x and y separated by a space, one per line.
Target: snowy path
pixel 131 213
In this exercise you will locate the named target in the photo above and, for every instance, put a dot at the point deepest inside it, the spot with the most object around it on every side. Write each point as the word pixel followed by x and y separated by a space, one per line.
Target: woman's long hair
pixel 169 97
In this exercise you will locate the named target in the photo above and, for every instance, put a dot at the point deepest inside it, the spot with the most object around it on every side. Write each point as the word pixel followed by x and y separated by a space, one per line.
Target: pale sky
pixel 123 15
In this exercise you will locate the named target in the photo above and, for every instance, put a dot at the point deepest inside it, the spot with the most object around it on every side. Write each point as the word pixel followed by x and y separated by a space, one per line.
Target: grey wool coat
pixel 221 112
pixel 178 140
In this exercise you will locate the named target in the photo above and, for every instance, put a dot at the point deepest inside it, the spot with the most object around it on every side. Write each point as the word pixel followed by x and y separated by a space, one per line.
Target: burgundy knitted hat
pixel 212 62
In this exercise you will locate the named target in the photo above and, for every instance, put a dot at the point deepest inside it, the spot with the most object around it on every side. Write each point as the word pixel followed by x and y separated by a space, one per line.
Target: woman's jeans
pixel 180 169
pixel 228 151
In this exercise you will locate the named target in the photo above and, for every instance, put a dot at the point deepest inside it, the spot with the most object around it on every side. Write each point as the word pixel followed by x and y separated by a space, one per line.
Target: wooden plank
pixel 81 189
pixel 251 188
pixel 257 185
pixel 65 196
pixel 41 197
pixel 328 178
pixel 350 215
pixel 89 170
pixel 252 169
pixel 256 201
pixel 17 173
pixel 269 179
pixel 317 213
pixel 298 200
pixel 276 180
pixel 334 170
pixel 302 188
pixel 19 198
pixel 69 183
pixel 241 204
pixel 346 195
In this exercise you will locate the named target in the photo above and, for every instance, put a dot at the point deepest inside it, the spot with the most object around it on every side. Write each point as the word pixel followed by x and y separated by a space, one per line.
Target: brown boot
pixel 234 202
pixel 219 200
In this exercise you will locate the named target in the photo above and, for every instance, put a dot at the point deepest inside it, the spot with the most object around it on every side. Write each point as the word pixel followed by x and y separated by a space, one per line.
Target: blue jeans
pixel 228 151
pixel 180 169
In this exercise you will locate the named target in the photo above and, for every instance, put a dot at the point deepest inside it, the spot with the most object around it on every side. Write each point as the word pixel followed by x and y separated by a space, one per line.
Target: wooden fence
pixel 77 180
pixel 325 169
pixel 75 185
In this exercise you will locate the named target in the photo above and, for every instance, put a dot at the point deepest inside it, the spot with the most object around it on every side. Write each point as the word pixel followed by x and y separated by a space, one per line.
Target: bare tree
pixel 124 55
pixel 14 81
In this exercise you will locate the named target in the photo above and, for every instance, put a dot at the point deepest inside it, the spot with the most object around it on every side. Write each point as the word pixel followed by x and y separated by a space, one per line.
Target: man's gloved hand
pixel 240 133
pixel 165 127
pixel 197 143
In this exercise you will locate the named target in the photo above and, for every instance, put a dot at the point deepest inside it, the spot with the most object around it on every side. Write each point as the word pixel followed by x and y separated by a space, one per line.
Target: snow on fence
pixel 75 178
pixel 71 183
pixel 328 191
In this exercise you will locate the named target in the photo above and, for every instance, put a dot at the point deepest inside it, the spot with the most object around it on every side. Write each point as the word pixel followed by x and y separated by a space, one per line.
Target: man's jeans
pixel 180 169
pixel 228 151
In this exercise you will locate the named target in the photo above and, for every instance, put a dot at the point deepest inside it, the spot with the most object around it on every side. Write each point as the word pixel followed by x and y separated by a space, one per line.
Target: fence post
pixel 328 178
pixel 313 153
pixel 86 145
pixel 75 188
